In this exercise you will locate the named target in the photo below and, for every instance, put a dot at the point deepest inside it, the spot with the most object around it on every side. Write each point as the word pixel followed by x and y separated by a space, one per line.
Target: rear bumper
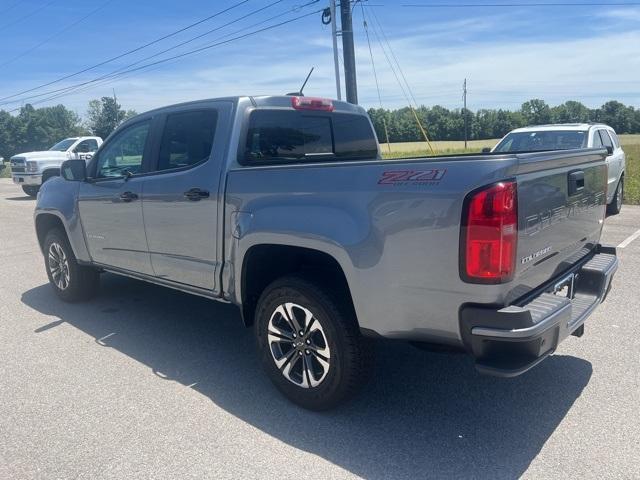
pixel 26 179
pixel 509 341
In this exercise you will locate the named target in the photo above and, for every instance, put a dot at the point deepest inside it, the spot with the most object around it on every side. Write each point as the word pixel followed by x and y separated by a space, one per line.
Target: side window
pixel 606 139
pixel 597 141
pixel 187 138
pixel 614 138
pixel 87 146
pixel 124 153
pixel 355 137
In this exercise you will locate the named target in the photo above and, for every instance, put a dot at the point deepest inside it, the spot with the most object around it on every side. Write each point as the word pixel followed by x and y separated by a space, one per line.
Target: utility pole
pixel 346 23
pixel 464 112
pixel 334 33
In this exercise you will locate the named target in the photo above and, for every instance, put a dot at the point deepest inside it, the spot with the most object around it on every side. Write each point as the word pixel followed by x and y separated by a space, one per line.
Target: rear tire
pixel 616 203
pixel 329 362
pixel 71 281
pixel 31 190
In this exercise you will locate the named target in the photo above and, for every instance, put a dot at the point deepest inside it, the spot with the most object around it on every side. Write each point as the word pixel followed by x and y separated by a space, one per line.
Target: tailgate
pixel 561 210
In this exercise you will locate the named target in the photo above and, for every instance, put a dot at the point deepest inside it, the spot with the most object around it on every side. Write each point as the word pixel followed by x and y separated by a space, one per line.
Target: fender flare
pixel 50 172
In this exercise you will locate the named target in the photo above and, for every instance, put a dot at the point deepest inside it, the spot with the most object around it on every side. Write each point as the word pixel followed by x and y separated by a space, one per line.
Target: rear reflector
pixel 490 234
pixel 312 103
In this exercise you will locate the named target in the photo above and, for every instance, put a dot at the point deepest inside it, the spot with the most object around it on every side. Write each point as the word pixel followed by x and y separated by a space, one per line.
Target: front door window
pixel 124 154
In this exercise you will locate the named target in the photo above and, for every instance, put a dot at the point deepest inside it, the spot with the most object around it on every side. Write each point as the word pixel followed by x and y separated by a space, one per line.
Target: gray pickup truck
pixel 282 206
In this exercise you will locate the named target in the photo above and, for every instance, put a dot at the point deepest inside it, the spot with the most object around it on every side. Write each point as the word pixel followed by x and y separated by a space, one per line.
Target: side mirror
pixel 486 150
pixel 74 170
pixel 609 150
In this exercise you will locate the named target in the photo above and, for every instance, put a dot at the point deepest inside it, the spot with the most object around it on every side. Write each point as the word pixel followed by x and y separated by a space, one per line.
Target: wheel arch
pixel 47 219
pixel 47 173
pixel 264 263
pixel 44 223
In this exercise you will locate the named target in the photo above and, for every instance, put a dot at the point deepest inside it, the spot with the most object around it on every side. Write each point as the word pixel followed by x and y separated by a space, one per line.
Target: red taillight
pixel 490 234
pixel 312 103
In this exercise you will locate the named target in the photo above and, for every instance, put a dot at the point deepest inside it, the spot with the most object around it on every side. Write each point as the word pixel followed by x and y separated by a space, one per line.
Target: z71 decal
pixel 412 177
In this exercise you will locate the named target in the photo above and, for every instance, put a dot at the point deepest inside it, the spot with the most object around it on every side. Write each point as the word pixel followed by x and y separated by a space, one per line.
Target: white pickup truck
pixel 30 170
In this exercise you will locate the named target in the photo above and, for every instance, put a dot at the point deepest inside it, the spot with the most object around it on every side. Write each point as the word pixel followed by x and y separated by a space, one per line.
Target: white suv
pixel 569 136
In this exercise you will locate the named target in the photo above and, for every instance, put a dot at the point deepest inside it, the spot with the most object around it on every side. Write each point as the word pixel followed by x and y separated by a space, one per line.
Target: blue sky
pixel 586 53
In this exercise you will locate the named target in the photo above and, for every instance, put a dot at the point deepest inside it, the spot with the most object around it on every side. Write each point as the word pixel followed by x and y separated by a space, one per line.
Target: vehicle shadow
pixel 20 199
pixel 423 414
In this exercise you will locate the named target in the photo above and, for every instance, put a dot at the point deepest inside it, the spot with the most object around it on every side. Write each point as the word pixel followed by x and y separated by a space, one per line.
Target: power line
pixel 208 32
pixel 46 40
pixel 118 74
pixel 395 58
pixel 423 131
pixel 198 50
pixel 391 65
pixel 375 75
pixel 11 7
pixel 28 15
pixel 373 63
pixel 519 4
pixel 114 73
pixel 153 42
pixel 109 77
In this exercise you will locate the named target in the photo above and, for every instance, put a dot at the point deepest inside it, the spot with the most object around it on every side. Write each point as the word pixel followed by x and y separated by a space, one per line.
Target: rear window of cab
pixel 291 136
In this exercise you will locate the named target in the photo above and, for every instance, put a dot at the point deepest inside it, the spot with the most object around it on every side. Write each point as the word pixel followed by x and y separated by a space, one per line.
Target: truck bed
pixel 395 228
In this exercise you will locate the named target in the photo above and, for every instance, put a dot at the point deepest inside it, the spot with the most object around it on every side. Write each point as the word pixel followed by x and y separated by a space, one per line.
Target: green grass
pixel 630 143
pixel 402 149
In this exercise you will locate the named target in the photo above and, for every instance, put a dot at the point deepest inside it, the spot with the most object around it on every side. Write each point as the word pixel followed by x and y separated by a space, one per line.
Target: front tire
pixel 616 203
pixel 310 344
pixel 71 281
pixel 31 190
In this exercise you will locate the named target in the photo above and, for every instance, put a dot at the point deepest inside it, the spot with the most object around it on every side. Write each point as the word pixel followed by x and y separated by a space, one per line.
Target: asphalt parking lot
pixel 146 382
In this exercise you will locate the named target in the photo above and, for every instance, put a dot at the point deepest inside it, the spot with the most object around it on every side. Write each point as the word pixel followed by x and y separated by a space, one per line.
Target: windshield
pixel 542 140
pixel 63 145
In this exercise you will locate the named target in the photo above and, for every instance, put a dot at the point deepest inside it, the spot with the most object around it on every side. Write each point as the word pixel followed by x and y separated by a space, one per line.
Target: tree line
pixel 445 124
pixel 39 128
pixel 34 129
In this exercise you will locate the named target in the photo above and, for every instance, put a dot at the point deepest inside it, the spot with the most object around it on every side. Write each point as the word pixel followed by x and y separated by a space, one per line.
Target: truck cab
pixel 30 170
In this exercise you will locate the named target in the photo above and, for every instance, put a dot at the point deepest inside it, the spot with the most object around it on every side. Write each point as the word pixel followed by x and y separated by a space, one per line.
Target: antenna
pixel 299 93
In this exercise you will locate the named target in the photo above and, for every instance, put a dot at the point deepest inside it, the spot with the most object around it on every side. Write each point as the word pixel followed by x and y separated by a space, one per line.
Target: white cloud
pixel 623 14
pixel 435 59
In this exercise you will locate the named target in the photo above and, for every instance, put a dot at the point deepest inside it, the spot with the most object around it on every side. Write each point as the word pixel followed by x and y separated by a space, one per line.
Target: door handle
pixel 128 196
pixel 576 182
pixel 196 194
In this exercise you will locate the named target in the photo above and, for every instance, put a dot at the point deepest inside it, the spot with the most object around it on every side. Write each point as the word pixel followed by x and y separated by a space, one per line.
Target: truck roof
pixel 82 137
pixel 275 101
pixel 578 127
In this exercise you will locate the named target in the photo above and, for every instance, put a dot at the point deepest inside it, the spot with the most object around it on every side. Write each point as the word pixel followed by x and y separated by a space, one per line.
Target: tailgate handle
pixel 576 182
